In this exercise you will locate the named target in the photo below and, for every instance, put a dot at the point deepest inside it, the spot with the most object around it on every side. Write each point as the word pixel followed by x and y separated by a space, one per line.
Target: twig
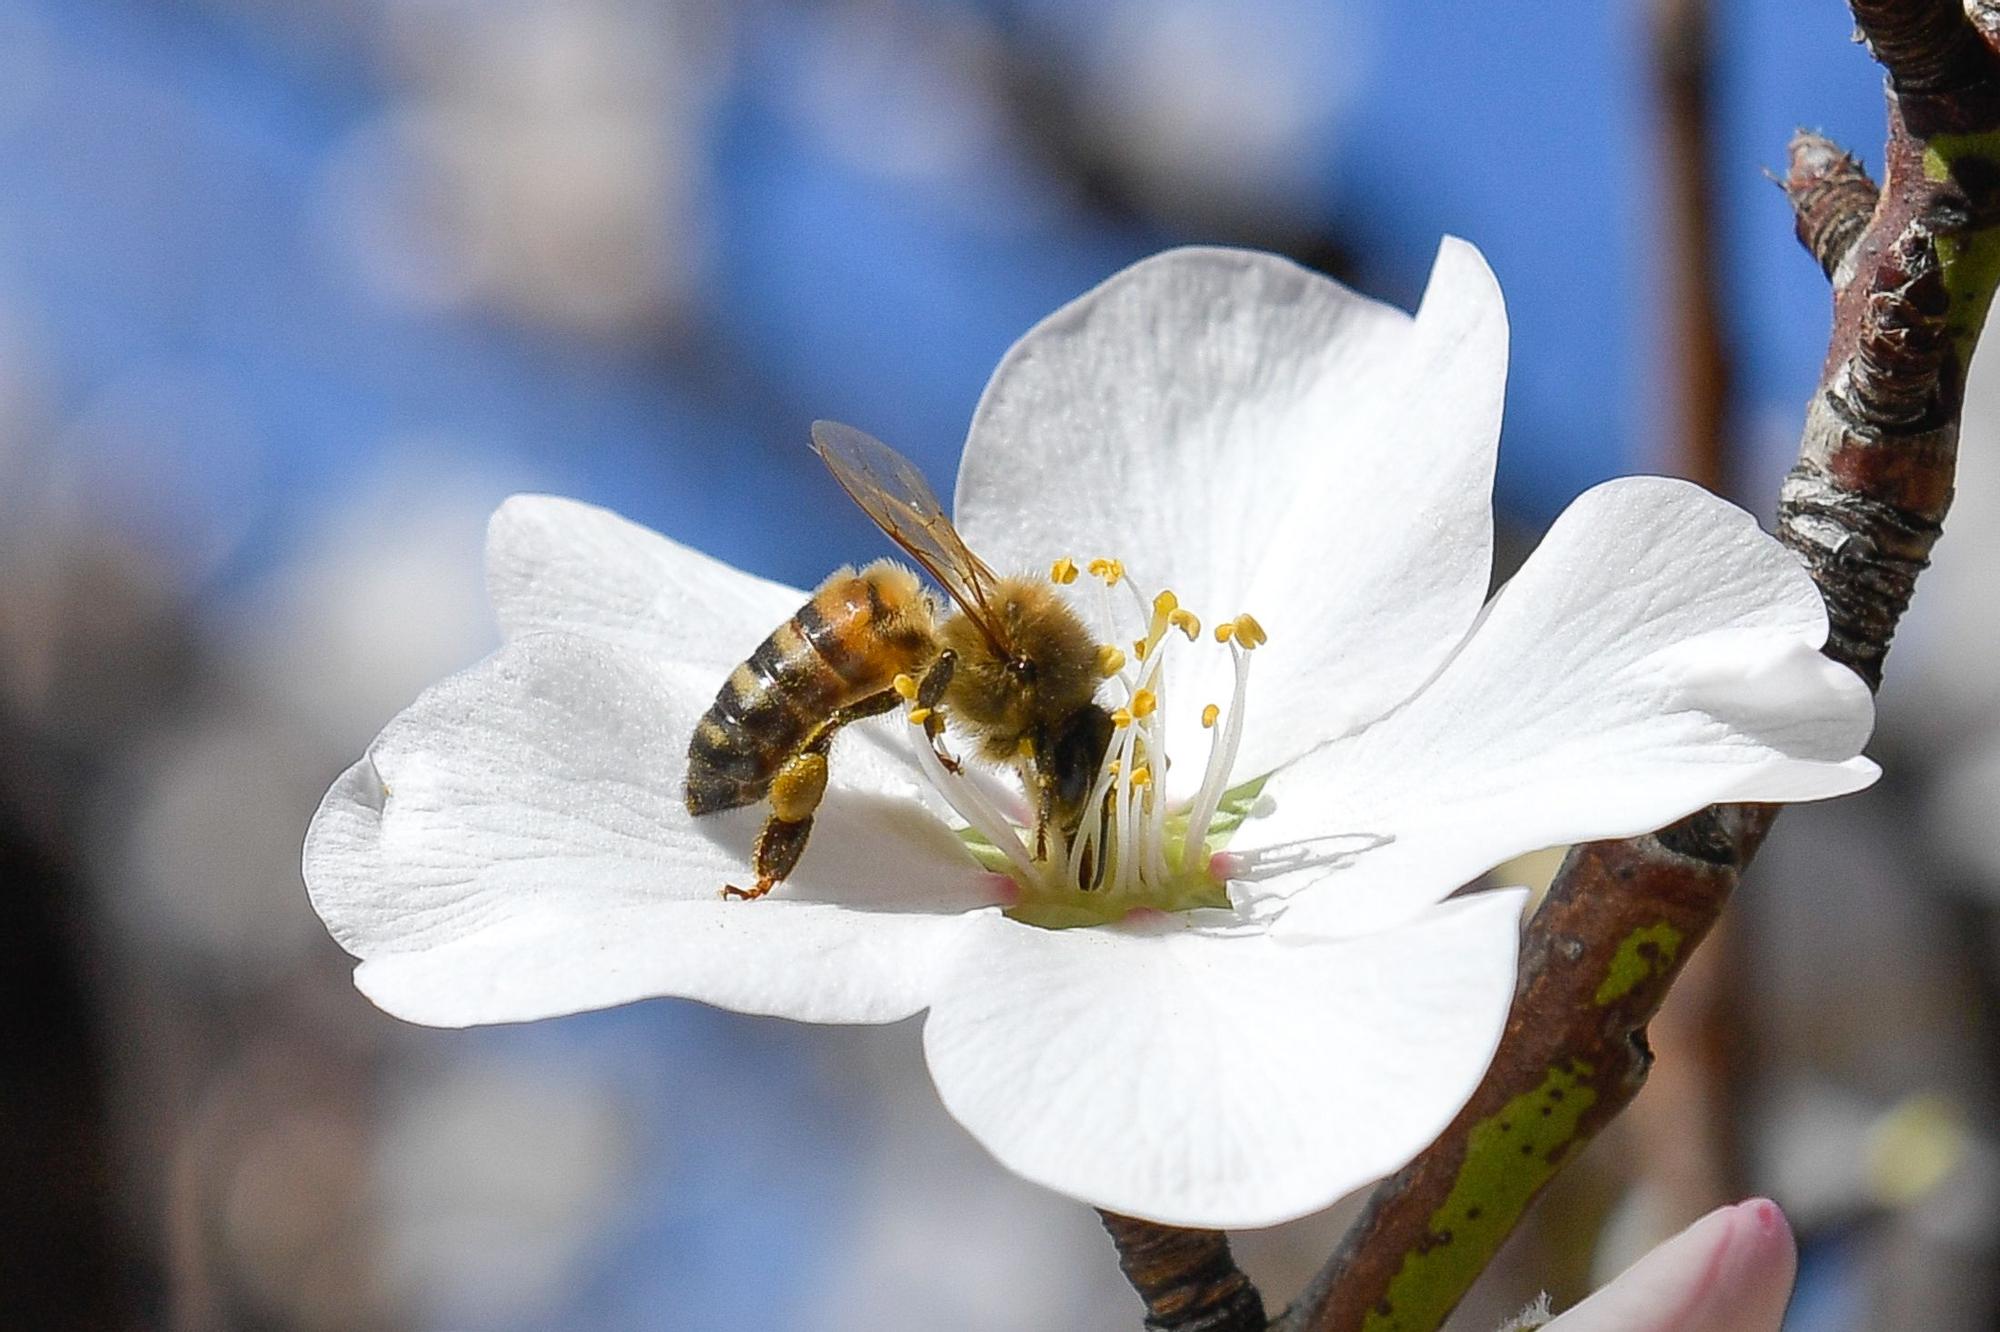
pixel 1862 507
pixel 1187 1278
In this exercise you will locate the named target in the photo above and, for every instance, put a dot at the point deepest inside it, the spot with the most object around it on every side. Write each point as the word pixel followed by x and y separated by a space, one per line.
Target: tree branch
pixel 1187 1278
pixel 1832 198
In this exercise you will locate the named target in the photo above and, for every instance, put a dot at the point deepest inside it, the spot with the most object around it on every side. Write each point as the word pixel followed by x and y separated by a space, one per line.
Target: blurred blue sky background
pixel 292 291
pixel 213 220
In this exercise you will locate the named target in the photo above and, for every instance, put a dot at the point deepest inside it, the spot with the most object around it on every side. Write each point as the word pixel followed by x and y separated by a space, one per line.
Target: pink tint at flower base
pixel 1731 1271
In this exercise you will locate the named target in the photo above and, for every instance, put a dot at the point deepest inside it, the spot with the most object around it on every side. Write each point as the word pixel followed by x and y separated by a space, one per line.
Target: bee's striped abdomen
pixel 834 652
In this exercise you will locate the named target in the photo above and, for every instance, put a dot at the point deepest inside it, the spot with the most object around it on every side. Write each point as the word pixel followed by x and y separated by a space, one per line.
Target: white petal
pixel 1261 439
pixel 515 846
pixel 1731 1271
pixel 561 565
pixel 1658 653
pixel 1206 1077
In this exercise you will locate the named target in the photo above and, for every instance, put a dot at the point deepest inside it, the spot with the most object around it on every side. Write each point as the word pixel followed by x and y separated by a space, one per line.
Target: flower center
pixel 1133 849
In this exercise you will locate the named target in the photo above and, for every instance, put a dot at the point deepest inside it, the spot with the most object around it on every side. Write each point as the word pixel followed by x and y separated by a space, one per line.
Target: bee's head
pixel 1048 670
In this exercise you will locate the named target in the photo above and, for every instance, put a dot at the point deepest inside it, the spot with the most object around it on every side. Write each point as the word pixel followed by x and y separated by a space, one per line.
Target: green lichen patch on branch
pixel 1509 1156
pixel 1645 952
pixel 1969 257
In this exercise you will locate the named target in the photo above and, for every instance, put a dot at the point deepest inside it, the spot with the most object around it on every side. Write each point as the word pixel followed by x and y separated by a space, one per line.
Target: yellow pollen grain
pixel 1063 571
pixel 1187 622
pixel 918 716
pixel 1248 632
pixel 906 685
pixel 1026 749
pixel 1143 702
pixel 1121 719
pixel 1209 714
pixel 1139 648
pixel 1110 660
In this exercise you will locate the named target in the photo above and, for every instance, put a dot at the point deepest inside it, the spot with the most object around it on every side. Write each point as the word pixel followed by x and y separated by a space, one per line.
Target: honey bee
pixel 1008 664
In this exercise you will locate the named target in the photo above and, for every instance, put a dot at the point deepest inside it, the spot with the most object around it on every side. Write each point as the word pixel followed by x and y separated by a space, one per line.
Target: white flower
pixel 1731 1271
pixel 1256 439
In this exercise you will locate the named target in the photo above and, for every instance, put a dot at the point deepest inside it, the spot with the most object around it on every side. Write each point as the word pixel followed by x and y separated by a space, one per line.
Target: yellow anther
pixel 1209 714
pixel 906 685
pixel 1225 631
pixel 1187 622
pixel 1139 648
pixel 1248 632
pixel 1165 604
pixel 1063 570
pixel 1109 570
pixel 1143 702
pixel 1142 775
pixel 1116 767
pixel 918 716
pixel 1110 660
pixel 1121 718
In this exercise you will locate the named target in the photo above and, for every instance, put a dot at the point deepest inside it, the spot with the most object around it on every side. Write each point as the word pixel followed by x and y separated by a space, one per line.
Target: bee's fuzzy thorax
pixel 994 700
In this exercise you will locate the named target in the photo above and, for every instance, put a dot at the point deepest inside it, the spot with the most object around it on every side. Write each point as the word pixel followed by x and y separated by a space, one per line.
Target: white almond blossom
pixel 1270 1001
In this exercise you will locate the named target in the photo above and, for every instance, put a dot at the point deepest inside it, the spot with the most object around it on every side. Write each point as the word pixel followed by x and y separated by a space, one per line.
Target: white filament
pixel 1126 851
pixel 1221 761
pixel 972 806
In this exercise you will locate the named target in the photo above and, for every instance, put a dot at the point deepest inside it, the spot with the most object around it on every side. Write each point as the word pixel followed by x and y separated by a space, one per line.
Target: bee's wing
pixel 891 490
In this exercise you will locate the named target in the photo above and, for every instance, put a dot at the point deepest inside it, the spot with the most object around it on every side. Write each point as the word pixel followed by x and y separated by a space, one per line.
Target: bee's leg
pixel 1045 806
pixel 795 794
pixel 872 706
pixel 930 695
pixel 1095 875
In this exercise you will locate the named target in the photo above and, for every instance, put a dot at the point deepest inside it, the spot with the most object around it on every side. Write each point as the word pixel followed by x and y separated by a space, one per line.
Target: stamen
pixel 1221 757
pixel 972 806
pixel 1127 850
